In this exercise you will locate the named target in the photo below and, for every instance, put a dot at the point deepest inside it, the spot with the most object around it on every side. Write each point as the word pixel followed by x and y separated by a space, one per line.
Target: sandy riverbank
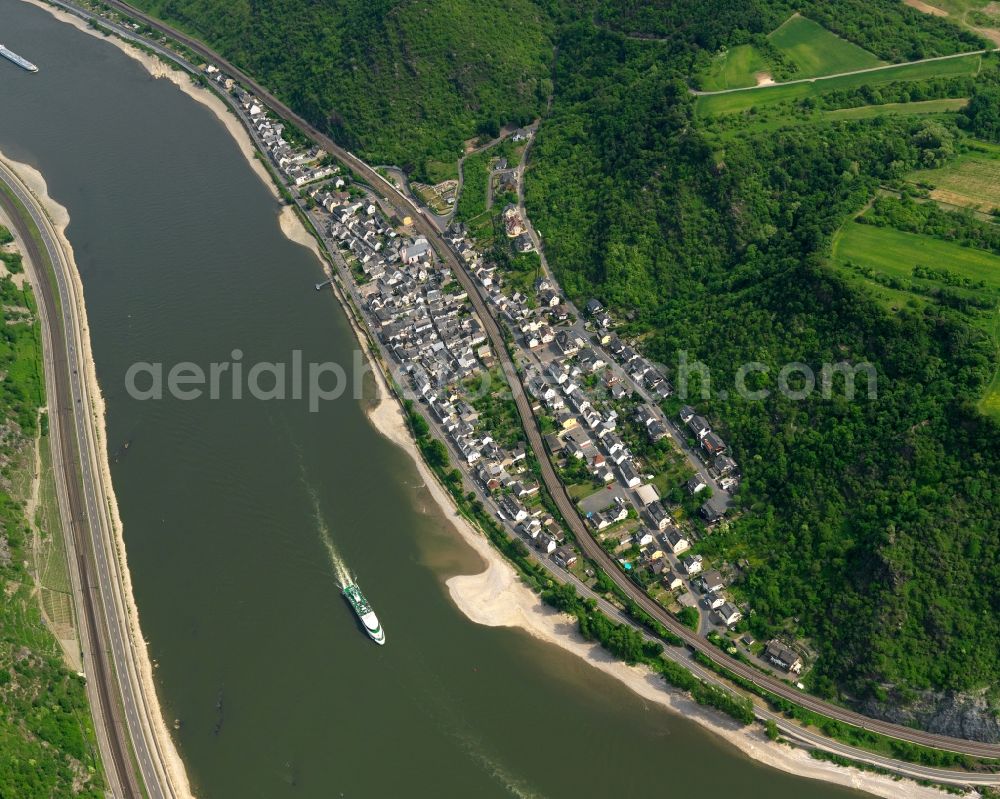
pixel 495 597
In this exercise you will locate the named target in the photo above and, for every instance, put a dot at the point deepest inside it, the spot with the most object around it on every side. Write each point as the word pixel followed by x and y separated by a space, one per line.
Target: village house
pixel 507 180
pixel 699 426
pixel 656 430
pixel 591 361
pixel 619 392
pixel 564 556
pixel 696 484
pixel 530 528
pixel 599 520
pixel 512 510
pixel 630 477
pixel 521 490
pixel 714 601
pixel 713 510
pixel 644 415
pixel 566 420
pixel 724 465
pixel 728 614
pixel 671 581
pixel 566 343
pixel 692 565
pixel 547 298
pixel 713 445
pixel 783 656
pixel 712 581
pixel 676 542
pixel 658 515
pixel 647 494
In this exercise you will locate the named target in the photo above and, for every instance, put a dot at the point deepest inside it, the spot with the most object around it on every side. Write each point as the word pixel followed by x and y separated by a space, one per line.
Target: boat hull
pixel 373 628
pixel 364 613
pixel 14 58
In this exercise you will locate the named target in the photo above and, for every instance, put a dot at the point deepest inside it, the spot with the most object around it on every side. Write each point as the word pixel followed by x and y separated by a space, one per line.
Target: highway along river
pixel 229 506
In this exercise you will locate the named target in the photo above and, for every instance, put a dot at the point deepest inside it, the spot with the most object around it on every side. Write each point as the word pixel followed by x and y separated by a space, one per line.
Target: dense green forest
pixel 871 526
pixel 888 28
pixel 983 112
pixel 403 82
pixel 47 745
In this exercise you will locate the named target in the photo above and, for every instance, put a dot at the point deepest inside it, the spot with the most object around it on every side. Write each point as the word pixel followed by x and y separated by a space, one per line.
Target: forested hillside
pixel 871 527
pixel 402 81
pixel 890 29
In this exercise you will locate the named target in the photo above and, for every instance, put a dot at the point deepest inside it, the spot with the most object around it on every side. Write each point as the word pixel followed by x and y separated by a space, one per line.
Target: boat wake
pixel 340 570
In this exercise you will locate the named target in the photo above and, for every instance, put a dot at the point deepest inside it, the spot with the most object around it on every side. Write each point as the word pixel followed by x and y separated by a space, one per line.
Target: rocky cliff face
pixel 970 716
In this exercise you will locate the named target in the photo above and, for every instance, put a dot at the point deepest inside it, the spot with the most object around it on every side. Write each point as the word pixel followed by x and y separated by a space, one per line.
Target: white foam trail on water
pixel 514 785
pixel 340 570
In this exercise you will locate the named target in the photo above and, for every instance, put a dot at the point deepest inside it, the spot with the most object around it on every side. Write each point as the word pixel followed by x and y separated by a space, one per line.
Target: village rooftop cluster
pixel 602 399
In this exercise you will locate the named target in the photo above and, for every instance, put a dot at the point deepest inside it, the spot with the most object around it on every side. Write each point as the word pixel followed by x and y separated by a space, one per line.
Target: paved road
pixel 105 621
pixel 844 74
pixel 566 506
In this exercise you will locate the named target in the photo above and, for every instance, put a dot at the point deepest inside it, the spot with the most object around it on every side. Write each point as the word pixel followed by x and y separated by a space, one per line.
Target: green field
pixel 816 51
pixel 806 44
pixel 895 109
pixel 970 181
pixel 895 253
pixel 892 254
pixel 734 69
pixel 773 119
pixel 732 102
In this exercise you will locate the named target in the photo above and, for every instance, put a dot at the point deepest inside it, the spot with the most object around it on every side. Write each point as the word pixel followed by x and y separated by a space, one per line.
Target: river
pixel 230 506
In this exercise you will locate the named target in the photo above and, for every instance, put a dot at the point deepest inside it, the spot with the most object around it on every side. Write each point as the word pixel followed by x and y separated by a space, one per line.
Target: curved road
pixel 104 631
pixel 566 506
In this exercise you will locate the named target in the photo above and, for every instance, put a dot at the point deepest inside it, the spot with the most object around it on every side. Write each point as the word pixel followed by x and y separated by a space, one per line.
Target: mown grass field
pixel 773 120
pixel 734 69
pixel 811 47
pixel 895 253
pixel 892 254
pixel 895 109
pixel 710 105
pixel 817 51
pixel 970 181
